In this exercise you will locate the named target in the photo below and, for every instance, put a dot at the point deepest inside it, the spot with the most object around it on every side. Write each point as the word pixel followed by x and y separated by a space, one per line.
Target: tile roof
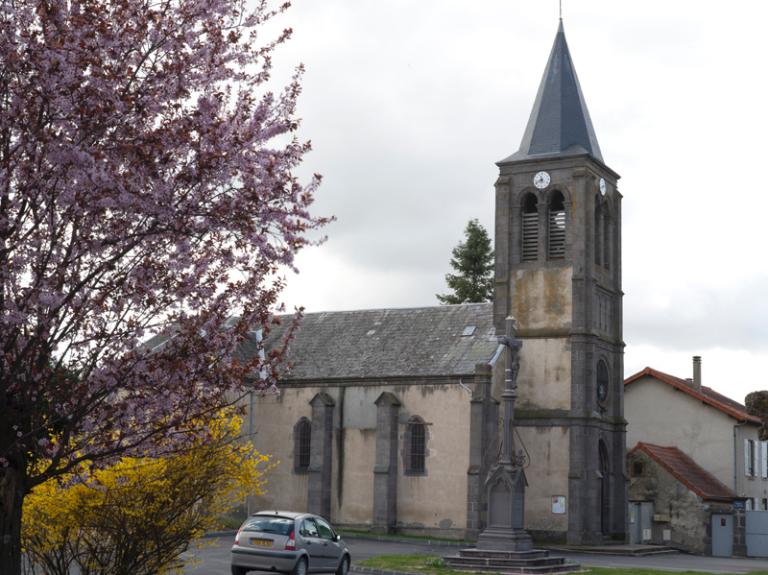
pixel 559 124
pixel 364 344
pixel 686 471
pixel 706 395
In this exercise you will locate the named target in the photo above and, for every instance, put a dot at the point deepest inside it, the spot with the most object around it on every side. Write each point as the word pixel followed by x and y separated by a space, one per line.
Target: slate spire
pixel 559 124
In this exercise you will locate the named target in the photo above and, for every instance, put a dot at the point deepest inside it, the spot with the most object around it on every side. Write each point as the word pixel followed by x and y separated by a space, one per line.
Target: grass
pixel 434 565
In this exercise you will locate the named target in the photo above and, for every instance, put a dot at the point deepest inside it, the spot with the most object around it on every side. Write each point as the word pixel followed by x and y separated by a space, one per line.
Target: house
pixel 387 419
pixel 668 416
pixel 674 501
pixel 712 429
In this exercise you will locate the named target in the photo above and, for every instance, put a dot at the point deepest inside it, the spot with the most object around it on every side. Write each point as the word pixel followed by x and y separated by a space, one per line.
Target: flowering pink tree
pixel 145 180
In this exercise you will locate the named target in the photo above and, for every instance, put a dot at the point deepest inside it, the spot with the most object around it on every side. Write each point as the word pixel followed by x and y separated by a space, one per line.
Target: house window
pixel 750 458
pixel 637 469
pixel 556 227
pixel 302 435
pixel 749 504
pixel 530 232
pixel 416 447
pixel 764 504
pixel 763 459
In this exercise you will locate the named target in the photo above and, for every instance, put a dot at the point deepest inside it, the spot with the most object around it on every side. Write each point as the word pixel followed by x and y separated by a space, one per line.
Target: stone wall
pixel 432 502
pixel 678 512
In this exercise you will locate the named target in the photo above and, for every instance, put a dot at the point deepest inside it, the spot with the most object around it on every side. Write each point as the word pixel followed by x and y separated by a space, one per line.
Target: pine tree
pixel 473 262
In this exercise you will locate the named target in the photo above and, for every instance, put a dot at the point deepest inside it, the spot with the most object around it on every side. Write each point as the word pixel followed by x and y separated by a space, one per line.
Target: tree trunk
pixel 12 493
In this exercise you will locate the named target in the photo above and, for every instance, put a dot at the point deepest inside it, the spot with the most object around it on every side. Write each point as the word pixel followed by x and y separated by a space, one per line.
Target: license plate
pixel 262 542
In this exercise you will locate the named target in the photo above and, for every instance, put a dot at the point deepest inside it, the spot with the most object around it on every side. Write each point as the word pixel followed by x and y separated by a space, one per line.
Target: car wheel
pixel 343 567
pixel 238 570
pixel 301 567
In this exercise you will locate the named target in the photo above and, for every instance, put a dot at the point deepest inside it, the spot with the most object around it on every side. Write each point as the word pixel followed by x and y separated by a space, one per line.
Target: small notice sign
pixel 558 504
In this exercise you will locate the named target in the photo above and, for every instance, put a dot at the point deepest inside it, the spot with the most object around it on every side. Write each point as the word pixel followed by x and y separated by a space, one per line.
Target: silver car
pixel 287 542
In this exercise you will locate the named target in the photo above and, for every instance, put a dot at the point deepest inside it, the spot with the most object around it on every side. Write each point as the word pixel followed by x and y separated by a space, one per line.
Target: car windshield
pixel 269 524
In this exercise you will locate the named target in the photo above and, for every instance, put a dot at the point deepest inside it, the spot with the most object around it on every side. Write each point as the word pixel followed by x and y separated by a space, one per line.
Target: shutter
pixel 530 237
pixel 746 457
pixel 758 467
pixel 764 457
pixel 556 234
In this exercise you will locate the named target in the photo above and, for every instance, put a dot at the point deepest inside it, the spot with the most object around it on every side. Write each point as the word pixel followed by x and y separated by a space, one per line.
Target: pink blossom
pixel 143 188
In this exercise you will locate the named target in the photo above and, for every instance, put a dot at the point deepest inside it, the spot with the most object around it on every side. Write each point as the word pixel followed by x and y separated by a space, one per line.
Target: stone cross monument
pixel 505 545
pixel 506 482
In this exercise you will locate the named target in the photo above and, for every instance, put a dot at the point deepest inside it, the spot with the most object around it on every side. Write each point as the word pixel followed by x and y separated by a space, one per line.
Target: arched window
pixel 607 240
pixel 302 436
pixel 602 382
pixel 416 446
pixel 530 243
pixel 598 232
pixel 556 227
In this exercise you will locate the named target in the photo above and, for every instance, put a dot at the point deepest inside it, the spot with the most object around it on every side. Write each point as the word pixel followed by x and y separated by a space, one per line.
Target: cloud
pixel 409 106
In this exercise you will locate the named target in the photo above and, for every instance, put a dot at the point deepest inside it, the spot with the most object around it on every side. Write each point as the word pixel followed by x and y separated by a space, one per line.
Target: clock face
pixel 603 186
pixel 541 180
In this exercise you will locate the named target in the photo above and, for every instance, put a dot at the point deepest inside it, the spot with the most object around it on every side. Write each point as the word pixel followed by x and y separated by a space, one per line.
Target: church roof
pixel 559 124
pixel 686 471
pixel 428 341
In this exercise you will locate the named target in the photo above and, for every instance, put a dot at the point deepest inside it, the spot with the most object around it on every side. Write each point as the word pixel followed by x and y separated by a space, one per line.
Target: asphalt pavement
pixel 213 557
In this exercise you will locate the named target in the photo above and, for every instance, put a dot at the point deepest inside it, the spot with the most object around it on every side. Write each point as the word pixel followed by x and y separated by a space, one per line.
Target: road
pixel 213 558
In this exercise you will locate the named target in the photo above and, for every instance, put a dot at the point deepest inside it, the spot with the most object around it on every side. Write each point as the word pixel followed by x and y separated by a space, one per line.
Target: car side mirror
pixel 337 537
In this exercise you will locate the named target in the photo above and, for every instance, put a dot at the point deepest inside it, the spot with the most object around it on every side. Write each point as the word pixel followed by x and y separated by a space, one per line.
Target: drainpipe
pixel 697 372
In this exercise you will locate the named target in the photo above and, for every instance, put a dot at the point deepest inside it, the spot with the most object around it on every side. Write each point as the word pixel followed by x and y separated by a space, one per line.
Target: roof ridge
pixel 404 308
pixel 685 387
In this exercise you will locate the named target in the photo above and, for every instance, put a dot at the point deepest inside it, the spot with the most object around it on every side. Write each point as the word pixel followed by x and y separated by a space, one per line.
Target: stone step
pixel 560 567
pixel 615 549
pixel 491 554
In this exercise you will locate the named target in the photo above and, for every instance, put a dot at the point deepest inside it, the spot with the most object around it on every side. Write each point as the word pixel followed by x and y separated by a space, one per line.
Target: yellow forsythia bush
pixel 138 516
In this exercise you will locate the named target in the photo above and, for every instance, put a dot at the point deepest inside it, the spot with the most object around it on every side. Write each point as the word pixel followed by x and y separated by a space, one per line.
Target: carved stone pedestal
pixel 501 539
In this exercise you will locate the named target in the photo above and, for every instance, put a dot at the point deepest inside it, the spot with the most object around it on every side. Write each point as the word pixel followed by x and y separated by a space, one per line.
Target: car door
pixel 331 548
pixel 311 541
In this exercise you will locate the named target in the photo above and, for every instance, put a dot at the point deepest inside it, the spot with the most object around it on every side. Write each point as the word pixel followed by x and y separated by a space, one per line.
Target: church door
pixel 605 491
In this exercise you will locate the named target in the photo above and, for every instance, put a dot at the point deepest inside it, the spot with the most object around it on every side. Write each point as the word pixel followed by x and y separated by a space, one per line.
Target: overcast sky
pixel 409 104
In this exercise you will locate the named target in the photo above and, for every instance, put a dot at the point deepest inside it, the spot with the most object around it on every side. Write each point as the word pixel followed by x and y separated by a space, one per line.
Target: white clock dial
pixel 541 180
pixel 603 187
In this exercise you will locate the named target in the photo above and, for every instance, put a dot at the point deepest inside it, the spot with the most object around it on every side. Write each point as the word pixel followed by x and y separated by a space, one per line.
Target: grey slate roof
pixel 382 343
pixel 559 124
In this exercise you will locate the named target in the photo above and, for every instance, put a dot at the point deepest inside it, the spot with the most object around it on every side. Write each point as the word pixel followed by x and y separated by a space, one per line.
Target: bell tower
pixel 558 273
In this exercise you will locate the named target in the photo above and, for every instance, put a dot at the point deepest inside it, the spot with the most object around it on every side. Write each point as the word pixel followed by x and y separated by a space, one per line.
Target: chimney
pixel 697 372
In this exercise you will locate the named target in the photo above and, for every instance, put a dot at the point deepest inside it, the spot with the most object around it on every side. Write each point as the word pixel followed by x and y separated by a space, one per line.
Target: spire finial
pixel 561 10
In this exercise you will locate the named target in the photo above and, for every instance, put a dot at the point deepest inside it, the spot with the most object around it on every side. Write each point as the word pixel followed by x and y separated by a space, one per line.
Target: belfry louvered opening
pixel 530 235
pixel 556 227
pixel 598 232
pixel 607 240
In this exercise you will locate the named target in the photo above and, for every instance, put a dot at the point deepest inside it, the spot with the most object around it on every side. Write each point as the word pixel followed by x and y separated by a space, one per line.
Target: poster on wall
pixel 558 504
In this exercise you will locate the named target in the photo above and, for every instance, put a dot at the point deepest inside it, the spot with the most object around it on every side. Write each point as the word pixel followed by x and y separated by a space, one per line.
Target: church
pixel 388 419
